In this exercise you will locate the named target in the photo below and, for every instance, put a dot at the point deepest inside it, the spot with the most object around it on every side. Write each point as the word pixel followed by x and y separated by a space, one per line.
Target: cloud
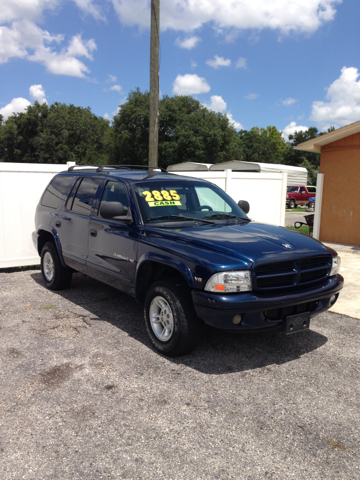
pixel 217 62
pixel 26 9
pixel 190 85
pixel 22 38
pixel 289 101
pixel 37 93
pixel 17 105
pixel 193 64
pixel 291 129
pixel 343 105
pixel 117 88
pixel 285 16
pixel 89 7
pixel 251 96
pixel 112 78
pixel 241 63
pixel 218 104
pixel 188 43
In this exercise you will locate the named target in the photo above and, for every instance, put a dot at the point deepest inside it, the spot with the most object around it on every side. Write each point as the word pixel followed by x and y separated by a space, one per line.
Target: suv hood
pixel 250 242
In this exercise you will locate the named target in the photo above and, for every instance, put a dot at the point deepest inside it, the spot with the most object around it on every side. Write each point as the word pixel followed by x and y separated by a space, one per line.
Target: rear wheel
pixel 56 277
pixel 170 318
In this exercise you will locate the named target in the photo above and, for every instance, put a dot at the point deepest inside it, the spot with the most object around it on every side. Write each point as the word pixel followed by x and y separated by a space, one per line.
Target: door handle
pixel 93 232
pixel 57 223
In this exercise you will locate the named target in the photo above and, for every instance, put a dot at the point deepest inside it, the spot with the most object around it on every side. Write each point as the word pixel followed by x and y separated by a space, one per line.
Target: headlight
pixel 336 264
pixel 230 282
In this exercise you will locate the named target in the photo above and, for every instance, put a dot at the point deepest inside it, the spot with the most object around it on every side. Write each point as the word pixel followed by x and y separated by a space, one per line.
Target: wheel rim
pixel 161 319
pixel 49 267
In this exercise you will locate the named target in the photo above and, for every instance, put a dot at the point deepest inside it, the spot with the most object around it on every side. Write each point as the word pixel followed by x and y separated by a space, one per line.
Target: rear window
pixel 56 191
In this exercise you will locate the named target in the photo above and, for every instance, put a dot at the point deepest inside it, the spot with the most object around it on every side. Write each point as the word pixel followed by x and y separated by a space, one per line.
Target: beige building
pixel 340 164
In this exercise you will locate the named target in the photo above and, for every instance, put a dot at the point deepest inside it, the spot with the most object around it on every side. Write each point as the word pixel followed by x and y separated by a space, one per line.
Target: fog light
pixel 237 320
pixel 332 299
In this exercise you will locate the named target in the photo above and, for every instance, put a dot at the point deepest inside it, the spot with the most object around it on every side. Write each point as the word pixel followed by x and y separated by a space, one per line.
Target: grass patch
pixel 49 307
pixel 302 229
pixel 297 209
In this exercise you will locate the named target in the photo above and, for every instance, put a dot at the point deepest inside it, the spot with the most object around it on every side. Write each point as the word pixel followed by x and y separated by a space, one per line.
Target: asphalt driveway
pixel 84 396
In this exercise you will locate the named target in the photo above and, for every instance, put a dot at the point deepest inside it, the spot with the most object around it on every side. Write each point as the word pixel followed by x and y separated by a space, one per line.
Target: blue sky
pixel 288 63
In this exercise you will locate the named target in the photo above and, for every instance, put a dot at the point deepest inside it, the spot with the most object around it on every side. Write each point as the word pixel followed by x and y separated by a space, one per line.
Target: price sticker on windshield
pixel 163 198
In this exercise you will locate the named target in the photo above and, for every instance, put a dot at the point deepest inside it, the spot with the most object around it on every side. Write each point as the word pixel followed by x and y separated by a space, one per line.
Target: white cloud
pixel 89 7
pixel 188 43
pixel 37 93
pixel 112 78
pixel 289 101
pixel 236 125
pixel 217 62
pixel 343 105
pixel 251 96
pixel 184 15
pixel 26 9
pixel 218 104
pixel 193 64
pixel 190 85
pixel 117 88
pixel 17 105
pixel 241 63
pixel 291 129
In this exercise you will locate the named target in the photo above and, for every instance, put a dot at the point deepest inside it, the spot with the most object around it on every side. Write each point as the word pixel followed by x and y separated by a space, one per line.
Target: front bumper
pixel 263 311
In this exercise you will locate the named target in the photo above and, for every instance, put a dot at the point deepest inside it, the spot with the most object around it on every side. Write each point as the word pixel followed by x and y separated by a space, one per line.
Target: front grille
pixel 305 271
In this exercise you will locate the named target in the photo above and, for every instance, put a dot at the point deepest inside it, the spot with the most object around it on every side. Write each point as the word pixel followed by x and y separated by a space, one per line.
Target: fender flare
pixel 55 235
pixel 167 260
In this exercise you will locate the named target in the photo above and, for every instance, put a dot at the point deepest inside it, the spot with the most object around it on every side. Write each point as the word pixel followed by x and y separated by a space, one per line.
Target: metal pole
pixel 154 84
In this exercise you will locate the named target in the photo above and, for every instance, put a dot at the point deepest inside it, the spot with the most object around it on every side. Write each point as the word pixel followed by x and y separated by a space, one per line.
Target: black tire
pixel 292 203
pixel 56 277
pixel 184 326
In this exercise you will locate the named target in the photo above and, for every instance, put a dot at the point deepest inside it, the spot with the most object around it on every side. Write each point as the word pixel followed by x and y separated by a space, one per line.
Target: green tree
pixel 54 134
pixel 264 145
pixel 297 157
pixel 188 131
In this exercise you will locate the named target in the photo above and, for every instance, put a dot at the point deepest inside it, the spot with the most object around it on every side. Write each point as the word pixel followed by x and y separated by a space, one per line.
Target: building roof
pixel 314 145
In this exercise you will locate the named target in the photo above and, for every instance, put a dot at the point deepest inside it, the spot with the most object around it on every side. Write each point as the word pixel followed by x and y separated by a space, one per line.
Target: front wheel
pixel 56 277
pixel 170 318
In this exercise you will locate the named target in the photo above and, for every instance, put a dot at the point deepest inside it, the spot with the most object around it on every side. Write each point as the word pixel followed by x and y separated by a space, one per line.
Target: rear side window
pixel 85 195
pixel 311 189
pixel 56 191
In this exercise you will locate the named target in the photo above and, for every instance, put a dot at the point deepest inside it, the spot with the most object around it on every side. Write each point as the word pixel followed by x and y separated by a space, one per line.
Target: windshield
pixel 184 200
pixel 292 189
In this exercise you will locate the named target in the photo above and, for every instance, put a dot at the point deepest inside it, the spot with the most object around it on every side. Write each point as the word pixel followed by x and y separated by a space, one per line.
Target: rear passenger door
pixel 72 223
pixel 113 243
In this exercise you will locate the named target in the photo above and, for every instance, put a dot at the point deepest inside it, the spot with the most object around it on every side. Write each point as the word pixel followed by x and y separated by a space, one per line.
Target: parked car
pixel 185 249
pixel 299 195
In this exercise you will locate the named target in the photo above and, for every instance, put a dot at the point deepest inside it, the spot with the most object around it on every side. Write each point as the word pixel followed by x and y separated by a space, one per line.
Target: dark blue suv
pixel 186 249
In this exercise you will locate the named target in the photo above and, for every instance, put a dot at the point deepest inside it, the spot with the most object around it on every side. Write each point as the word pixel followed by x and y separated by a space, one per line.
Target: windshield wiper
pixel 226 216
pixel 180 217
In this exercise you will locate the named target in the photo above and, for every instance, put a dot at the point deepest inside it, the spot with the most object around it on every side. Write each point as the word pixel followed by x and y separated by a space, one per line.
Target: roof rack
pixel 100 168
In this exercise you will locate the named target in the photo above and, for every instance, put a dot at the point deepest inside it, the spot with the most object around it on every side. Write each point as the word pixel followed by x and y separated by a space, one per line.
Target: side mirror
pixel 244 205
pixel 115 211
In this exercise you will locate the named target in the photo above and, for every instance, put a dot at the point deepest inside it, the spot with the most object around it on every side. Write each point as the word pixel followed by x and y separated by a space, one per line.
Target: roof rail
pixel 100 168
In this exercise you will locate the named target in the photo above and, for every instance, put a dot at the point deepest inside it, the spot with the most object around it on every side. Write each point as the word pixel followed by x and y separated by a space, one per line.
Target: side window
pixel 311 189
pixel 56 191
pixel 85 195
pixel 70 199
pixel 115 192
pixel 302 190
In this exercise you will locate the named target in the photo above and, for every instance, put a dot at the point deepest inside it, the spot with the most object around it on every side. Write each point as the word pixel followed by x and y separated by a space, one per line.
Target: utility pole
pixel 154 84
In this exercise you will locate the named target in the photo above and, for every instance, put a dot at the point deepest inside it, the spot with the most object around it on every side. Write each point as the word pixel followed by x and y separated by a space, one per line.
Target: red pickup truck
pixel 299 195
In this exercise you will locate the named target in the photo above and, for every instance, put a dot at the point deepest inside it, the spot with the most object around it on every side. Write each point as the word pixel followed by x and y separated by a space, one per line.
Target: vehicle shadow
pixel 218 352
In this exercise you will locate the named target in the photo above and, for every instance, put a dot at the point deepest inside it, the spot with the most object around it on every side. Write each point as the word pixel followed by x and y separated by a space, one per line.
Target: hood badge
pixel 286 245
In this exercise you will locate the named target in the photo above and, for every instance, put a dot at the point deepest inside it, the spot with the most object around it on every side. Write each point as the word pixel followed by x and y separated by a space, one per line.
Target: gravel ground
pixel 83 395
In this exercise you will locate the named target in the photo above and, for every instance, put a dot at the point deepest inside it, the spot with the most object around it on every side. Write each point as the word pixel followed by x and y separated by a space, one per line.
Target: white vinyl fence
pixel 21 186
pixel 265 192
